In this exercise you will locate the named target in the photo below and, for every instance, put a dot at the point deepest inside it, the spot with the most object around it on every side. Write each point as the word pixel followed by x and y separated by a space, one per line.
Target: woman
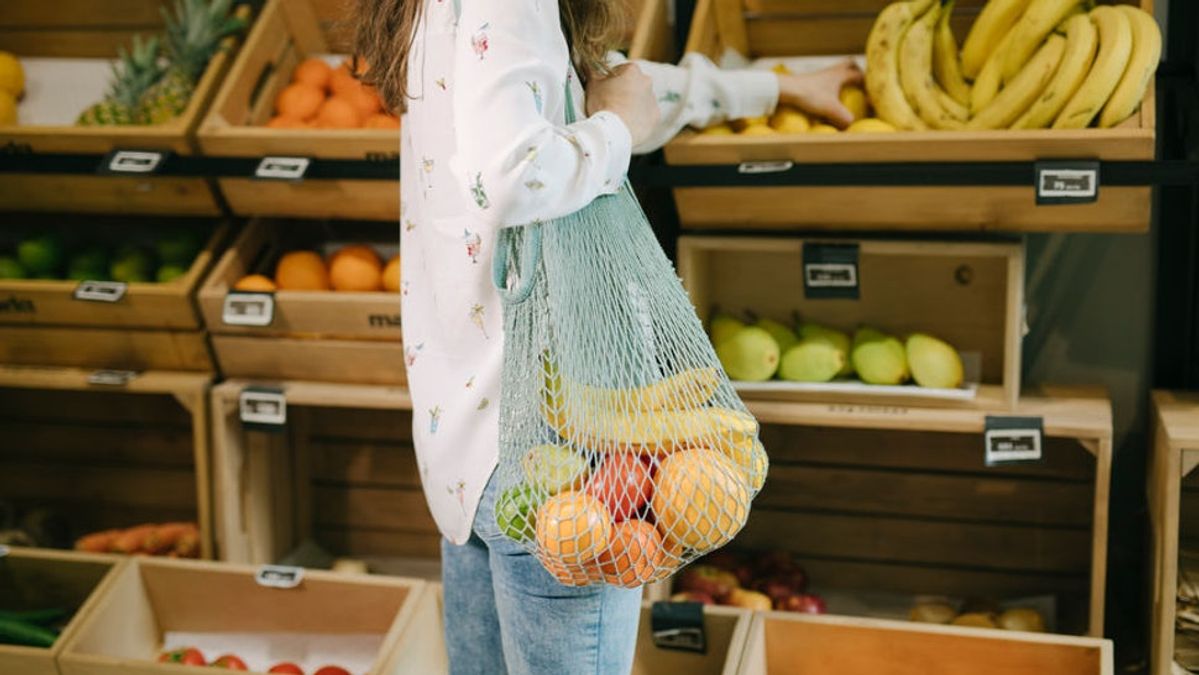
pixel 485 145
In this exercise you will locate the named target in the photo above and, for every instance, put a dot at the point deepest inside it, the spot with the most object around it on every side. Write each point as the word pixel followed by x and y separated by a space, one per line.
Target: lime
pixel 179 248
pixel 168 273
pixel 40 255
pixel 516 512
pixel 11 268
pixel 132 265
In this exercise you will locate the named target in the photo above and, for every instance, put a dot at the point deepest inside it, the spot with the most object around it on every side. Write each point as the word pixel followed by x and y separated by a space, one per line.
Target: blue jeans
pixel 505 614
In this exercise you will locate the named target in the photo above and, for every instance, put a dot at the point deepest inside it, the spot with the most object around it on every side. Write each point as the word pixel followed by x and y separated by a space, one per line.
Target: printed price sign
pixel 1067 182
pixel 263 408
pixel 248 309
pixel 111 378
pixel 282 168
pixel 679 626
pixel 830 271
pixel 1013 440
pixel 137 162
pixel 279 576
pixel 100 291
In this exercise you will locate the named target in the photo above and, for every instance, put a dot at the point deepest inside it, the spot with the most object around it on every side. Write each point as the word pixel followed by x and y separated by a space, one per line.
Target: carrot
pixel 164 537
pixel 97 542
pixel 133 539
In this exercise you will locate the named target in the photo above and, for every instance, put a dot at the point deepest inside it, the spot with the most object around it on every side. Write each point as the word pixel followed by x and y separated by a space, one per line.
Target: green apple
pixel 554 468
pixel 516 512
pixel 132 264
pixel 11 268
pixel 179 248
pixel 40 255
pixel 168 273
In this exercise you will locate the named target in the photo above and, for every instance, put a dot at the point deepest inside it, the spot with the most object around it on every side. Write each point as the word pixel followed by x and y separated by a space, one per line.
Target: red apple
pixel 804 604
pixel 739 597
pixel 725 559
pixel 229 662
pixel 693 596
pixel 286 668
pixel 707 579
pixel 774 562
pixel 622 483
pixel 744 573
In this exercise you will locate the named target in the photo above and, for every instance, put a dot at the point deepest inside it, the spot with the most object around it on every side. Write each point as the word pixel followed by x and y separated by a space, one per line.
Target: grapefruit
pixel 301 271
pixel 701 500
pixel 634 556
pixel 573 527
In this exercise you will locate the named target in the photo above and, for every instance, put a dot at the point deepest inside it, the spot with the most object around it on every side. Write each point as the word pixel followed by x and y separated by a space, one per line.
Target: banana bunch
pixel 1025 64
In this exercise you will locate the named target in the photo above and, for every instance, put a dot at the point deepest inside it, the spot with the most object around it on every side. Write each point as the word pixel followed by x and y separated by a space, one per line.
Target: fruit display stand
pixel 725 633
pixel 340 471
pixel 805 645
pixel 332 336
pixel 970 294
pixel 97 453
pixel 138 325
pixel 800 28
pixel 311 619
pixel 286 32
pixel 66 54
pixel 1174 511
pixel 41 579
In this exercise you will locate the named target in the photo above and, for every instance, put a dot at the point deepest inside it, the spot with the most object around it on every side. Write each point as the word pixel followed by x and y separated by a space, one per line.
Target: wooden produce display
pixel 66 50
pixel 725 629
pixel 342 473
pixel 900 501
pixel 287 32
pixel 39 579
pixel 332 336
pixel 969 294
pixel 800 28
pixel 91 457
pixel 1174 513
pixel 150 325
pixel 789 644
pixel 153 602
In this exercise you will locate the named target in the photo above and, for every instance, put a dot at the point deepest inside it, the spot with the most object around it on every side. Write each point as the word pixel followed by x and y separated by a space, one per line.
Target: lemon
pixel 12 75
pixel 8 109
pixel 855 99
pixel 870 125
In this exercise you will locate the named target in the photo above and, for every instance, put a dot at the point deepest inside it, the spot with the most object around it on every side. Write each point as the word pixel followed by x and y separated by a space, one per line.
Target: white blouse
pixel 484 147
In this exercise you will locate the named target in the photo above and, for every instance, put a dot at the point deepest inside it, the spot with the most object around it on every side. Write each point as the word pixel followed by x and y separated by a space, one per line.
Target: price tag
pixel 279 576
pixel 282 168
pixel 830 271
pixel 3 551
pixel 679 626
pixel 138 162
pixel 1067 182
pixel 1013 440
pixel 778 166
pixel 263 408
pixel 111 378
pixel 248 309
pixel 100 291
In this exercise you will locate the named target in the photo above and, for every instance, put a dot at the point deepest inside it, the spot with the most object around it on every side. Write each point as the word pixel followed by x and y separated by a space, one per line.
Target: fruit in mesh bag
pixel 749 457
pixel 554 468
pixel 647 432
pixel 701 499
pixel 516 512
pixel 622 484
pixel 573 527
pixel 634 556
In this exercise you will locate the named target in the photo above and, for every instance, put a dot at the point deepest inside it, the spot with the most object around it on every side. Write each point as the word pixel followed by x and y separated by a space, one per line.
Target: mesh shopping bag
pixel 624 451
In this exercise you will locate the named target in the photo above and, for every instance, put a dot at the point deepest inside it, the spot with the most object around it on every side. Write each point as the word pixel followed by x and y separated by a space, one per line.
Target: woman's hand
pixel 629 93
pixel 819 92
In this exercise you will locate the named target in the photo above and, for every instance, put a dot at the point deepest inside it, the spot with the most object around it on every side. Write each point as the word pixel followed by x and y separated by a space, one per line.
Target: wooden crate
pixel 150 598
pixel 898 501
pixel 287 32
pixel 968 293
pixel 342 474
pixel 1173 492
pixel 323 336
pixel 726 630
pixel 103 456
pixel 808 645
pixel 41 579
pixel 78 29
pixel 778 28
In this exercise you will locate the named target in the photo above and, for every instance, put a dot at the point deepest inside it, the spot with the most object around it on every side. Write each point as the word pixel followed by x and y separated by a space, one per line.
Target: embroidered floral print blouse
pixel 484 147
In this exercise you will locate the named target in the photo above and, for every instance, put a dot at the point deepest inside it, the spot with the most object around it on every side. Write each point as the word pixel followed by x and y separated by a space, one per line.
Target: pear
pixel 750 355
pixel 724 326
pixel 781 334
pixel 815 331
pixel 811 360
pixel 934 362
pixel 879 358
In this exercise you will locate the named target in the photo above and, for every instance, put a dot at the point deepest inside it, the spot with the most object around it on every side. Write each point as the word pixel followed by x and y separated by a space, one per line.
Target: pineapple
pixel 194 32
pixel 132 75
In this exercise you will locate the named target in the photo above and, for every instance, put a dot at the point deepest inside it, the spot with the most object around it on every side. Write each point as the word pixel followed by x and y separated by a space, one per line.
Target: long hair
pixel 385 30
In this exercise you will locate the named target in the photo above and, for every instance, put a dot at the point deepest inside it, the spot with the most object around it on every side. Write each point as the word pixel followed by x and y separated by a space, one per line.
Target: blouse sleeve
pixel 518 166
pixel 697 93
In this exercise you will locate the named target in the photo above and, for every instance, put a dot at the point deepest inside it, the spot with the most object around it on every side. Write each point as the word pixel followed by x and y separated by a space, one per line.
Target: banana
pixel 882 63
pixel 956 110
pixel 1115 50
pixel 992 25
pixel 652 432
pixel 1039 20
pixel 986 86
pixel 915 73
pixel 1147 45
pixel 688 389
pixel 1082 40
pixel 947 67
pixel 1024 89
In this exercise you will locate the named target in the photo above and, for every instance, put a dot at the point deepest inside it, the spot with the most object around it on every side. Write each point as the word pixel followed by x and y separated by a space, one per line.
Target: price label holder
pixel 133 162
pixel 830 271
pixel 679 626
pixel 776 166
pixel 262 408
pixel 1013 440
pixel 111 378
pixel 283 168
pixel 100 291
pixel 248 309
pixel 3 551
pixel 279 576
pixel 1074 182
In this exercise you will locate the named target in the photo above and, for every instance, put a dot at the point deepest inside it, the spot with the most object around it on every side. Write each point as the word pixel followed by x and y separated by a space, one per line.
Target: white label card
pixel 262 407
pixel 248 309
pixel 101 291
pixel 135 161
pixel 279 576
pixel 282 168
pixel 111 378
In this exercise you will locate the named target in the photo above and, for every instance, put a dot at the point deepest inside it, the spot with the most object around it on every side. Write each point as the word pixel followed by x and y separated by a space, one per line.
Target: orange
pixel 701 500
pixel 342 79
pixel 313 71
pixel 381 121
pixel 287 122
pixel 355 268
pixel 360 251
pixel 338 113
pixel 573 527
pixel 300 101
pixel 572 575
pixel 301 271
pixel 254 282
pixel 634 555
pixel 391 275
pixel 362 97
